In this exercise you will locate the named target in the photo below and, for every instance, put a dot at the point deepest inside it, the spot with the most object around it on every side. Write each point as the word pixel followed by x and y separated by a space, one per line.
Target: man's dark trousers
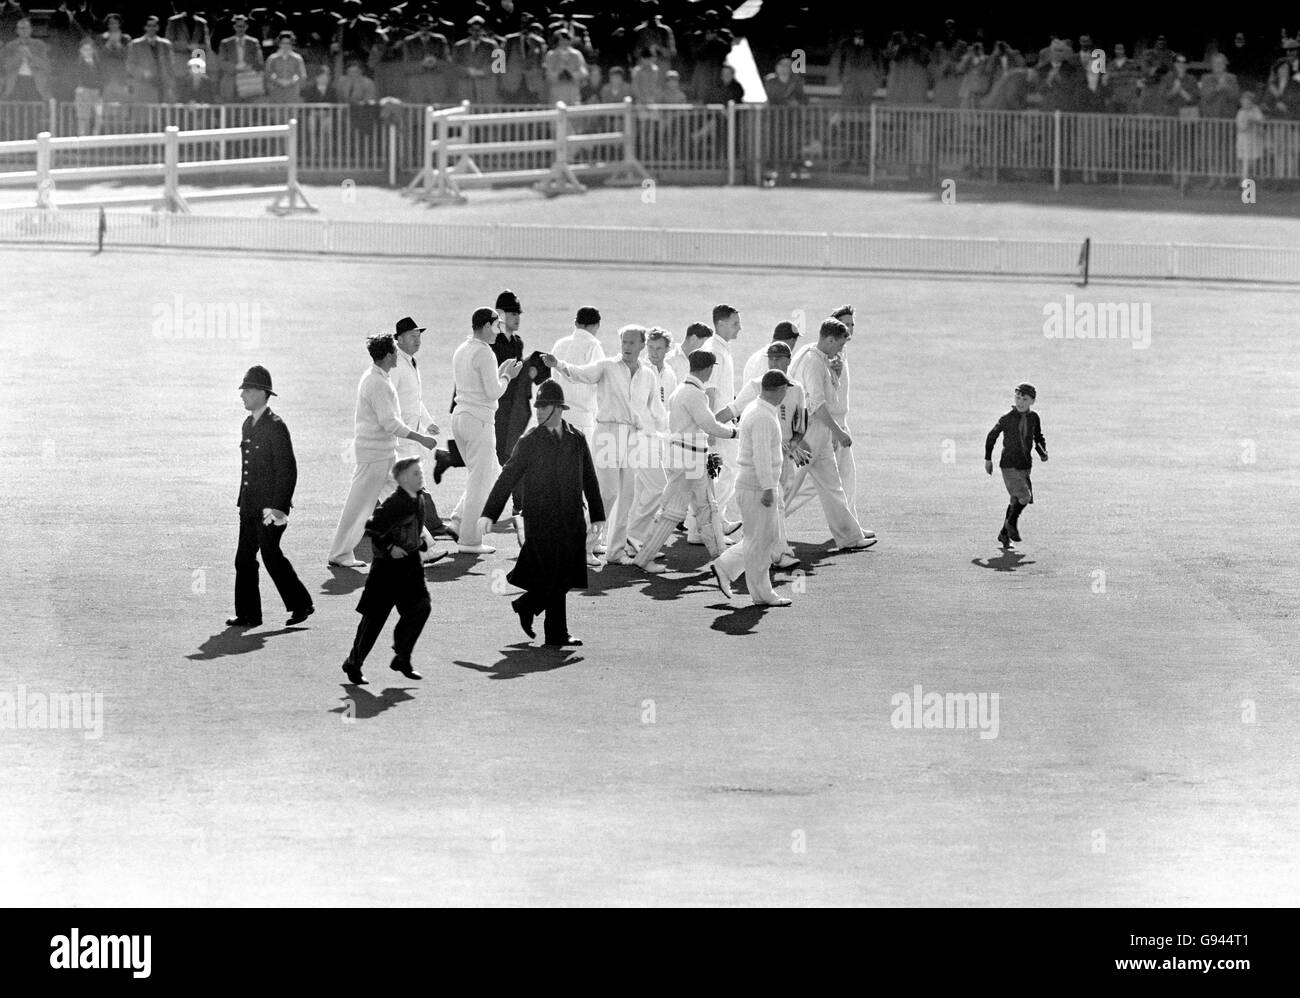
pixel 255 536
pixel 393 582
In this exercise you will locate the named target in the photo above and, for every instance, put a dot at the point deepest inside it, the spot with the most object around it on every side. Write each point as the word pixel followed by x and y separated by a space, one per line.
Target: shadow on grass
pixel 361 704
pixel 236 641
pixel 523 659
pixel 342 581
pixel 1007 561
pixel 739 620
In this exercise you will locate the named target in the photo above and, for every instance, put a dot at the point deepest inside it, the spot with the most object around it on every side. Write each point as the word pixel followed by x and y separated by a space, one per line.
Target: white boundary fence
pixel 456 150
pixel 808 251
pixel 288 197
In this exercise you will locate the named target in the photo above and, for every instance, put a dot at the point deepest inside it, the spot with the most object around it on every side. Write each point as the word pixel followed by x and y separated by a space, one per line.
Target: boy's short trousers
pixel 1017 483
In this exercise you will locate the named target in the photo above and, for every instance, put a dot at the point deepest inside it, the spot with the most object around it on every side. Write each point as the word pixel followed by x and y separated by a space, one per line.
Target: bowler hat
pixel 549 393
pixel 407 325
pixel 257 377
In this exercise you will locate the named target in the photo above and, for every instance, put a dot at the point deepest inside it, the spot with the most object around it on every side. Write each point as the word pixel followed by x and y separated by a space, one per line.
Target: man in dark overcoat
pixel 265 496
pixel 553 463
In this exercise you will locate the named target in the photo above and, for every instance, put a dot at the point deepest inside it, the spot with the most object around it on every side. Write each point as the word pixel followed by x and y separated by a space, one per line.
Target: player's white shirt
pixel 755 366
pixel 405 377
pixel 836 390
pixel 790 411
pixel 655 418
pixel 579 348
pixel 724 371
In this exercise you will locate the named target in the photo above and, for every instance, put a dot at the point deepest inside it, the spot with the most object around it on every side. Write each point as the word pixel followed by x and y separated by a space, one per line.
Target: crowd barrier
pixel 746 143
pixel 207 146
pixel 785 251
pixel 464 149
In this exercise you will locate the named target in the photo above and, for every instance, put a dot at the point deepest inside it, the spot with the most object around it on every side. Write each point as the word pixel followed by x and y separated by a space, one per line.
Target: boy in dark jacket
pixel 396 576
pixel 1022 434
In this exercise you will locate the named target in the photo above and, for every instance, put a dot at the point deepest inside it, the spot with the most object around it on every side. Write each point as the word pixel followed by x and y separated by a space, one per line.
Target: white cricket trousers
pixel 368 481
pixel 752 557
pixel 724 486
pixel 824 473
pixel 616 478
pixel 477 439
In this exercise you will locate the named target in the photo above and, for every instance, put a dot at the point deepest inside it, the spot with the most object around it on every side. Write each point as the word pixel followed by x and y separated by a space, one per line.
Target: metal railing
pixel 739 143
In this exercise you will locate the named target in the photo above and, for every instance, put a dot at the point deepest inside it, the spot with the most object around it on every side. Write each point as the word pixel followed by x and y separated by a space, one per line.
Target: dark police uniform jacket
pixel 269 471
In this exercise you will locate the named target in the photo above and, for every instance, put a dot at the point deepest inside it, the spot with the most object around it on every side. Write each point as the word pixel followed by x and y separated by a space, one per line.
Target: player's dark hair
pixel 700 330
pixel 380 346
pixel 786 332
pixel 842 311
pixel 723 312
pixel 701 360
pixel 834 329
pixel 402 465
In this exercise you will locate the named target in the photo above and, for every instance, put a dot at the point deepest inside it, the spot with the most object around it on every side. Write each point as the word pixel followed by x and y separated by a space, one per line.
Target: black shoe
pixel 403 665
pixel 567 641
pixel 1013 531
pixel 1003 539
pixel 299 616
pixel 243 622
pixel 441 462
pixel 353 671
pixel 525 618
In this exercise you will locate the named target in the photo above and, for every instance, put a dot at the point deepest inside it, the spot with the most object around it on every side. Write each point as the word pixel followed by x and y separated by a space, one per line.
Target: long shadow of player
pixel 360 703
pixel 236 641
pixel 1008 561
pixel 343 581
pixel 740 620
pixel 522 659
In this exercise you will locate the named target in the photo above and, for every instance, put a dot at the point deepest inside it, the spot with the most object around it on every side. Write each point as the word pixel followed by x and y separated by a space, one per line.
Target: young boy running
pixel 1022 434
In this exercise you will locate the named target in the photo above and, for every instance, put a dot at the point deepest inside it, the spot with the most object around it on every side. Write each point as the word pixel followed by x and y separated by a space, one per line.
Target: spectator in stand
pixel 355 38
pixel 1121 83
pixel 784 86
pixel 710 48
pixel 909 78
pixel 25 62
pixel 1060 80
pixel 1152 97
pixel 319 132
pixel 1011 90
pixel 507 19
pixel 86 77
pixel 975 69
pixel 617 89
pixel 473 58
pixel 1183 99
pixel 1284 82
pixel 565 69
pixel 1250 136
pixel 656 36
pixel 1158 57
pixel 113 45
pixel 947 74
pixel 857 66
pixel 239 57
pixel 285 72
pixel 1091 69
pixel 196 87
pixel 356 88
pixel 67 26
pixel 732 89
pixel 1246 63
pixel 149 66
pixel 187 33
pixel 1220 90
pixel 647 79
pixel 673 92
pixel 425 57
pixel 525 79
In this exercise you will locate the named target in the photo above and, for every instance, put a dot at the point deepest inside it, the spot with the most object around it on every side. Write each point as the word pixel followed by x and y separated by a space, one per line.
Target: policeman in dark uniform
pixel 265 496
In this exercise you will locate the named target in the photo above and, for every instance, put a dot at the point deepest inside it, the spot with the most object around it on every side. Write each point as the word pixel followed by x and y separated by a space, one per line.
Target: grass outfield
pixel 691 752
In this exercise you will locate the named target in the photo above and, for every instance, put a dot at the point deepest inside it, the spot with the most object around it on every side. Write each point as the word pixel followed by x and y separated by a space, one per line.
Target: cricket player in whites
pixel 815 369
pixel 691 424
pixel 624 386
pixel 651 478
pixel 793 416
pixel 758 491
